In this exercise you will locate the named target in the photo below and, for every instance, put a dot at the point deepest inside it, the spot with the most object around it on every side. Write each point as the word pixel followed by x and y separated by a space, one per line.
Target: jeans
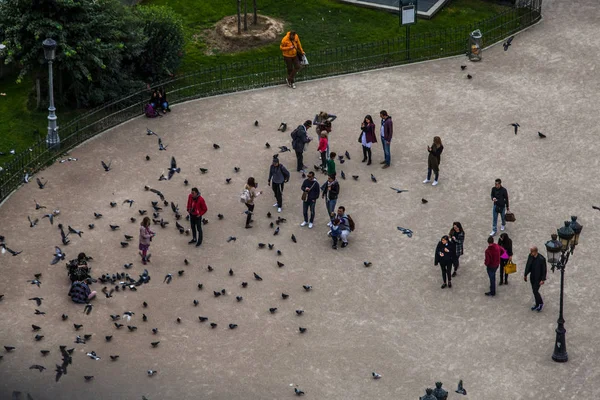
pixel 196 223
pixel 495 218
pixel 324 160
pixel 386 151
pixel 278 191
pixel 305 207
pixel 300 161
pixel 366 153
pixel 536 293
pixel 437 174
pixel 503 275
pixel 250 211
pixel 330 204
pixel 446 272
pixel 492 274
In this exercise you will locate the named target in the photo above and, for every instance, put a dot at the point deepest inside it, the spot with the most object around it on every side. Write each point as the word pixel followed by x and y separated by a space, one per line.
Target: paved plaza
pixel 391 318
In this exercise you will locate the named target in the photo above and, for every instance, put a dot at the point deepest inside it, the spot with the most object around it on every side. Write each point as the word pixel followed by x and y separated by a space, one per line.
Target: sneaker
pixel 444 286
pixel 385 166
pixel 493 233
pixel 192 241
pixel 535 307
pixel 275 205
pixel 539 308
pixel 310 225
pixel 293 86
pixel 383 162
pixel 329 224
pixel 287 82
pixel 248 226
pixel 303 223
pixel 344 244
pixel 450 285
pixel 198 244
pixel 328 233
pixel 426 181
pixel 502 227
pixel 490 294
pixel 279 210
pixel 369 163
pixel 435 183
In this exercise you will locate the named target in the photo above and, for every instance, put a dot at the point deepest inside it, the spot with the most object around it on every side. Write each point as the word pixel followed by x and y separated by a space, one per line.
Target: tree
pixel 163 51
pixel 255 15
pixel 98 43
pixel 239 16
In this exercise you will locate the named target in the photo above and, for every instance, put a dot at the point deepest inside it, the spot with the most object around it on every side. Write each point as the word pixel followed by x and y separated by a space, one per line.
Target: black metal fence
pixel 270 71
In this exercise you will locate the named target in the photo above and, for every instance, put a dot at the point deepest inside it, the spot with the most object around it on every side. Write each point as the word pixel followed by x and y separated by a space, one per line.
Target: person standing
pixel 146 235
pixel 250 194
pixel 330 190
pixel 444 256
pixel 499 197
pixel 300 139
pixel 536 268
pixel 196 208
pixel 387 130
pixel 310 194
pixel 291 47
pixel 367 137
pixel 434 159
pixel 505 244
pixel 492 261
pixel 323 144
pixel 457 237
pixel 279 175
pixel 331 164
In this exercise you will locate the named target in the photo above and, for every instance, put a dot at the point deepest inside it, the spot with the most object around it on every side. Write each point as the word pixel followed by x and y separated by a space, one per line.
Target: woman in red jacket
pixel 196 208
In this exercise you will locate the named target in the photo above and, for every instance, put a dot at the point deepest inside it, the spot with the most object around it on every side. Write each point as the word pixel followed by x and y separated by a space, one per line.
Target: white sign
pixel 409 14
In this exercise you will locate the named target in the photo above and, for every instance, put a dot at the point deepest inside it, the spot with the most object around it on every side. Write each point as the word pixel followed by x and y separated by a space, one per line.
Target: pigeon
pixel 463 67
pixel 355 177
pixel 424 201
pixel 45 352
pixel 114 358
pixel 203 319
pixel 271 246
pixel 307 287
pixel 231 239
pixel 58 256
pixel 276 232
pixel 154 344
pixel 376 375
pixel 35 282
pixel 257 277
pixel 149 132
pixel 508 43
pixel 9 348
pixel 343 175
pixel 129 201
pixel 151 372
pixel 373 178
pixel 347 155
pixel 405 231
pixel 93 356
pixel 106 167
pixel 74 231
pixel 40 184
pixel 37 205
pixel 267 145
pixel 114 227
pixel 232 326
pixel 113 204
pixel 367 263
pixel 273 310
pixel 294 238
pixel 299 312
pixel 399 190
pixel 173 168
pixel 35 328
pixel 213 325
pixel 118 326
pixel 461 389
pixel 204 170
pixel 216 146
pixel 38 367
pixel 162 177
pixel 280 264
pixel 180 272
pixel 298 392
pixel 210 269
pixel 185 182
pixel 469 76
pixel 244 284
pixel 77 327
pixel 168 278
pixel 64 317
pixel 283 149
pixel 282 127
pixel 301 329
pixel 88 378
pixel 516 125
pixel 128 237
pixel 50 218
pixel 236 169
pixel 14 253
pixel 97 215
pixel 32 223
pixel 541 135
pixel 131 328
pixel 147 157
pixel 284 296
pixel 124 244
pixel 88 309
pixel 108 338
pixel 596 208
pixel 161 147
pixel 38 300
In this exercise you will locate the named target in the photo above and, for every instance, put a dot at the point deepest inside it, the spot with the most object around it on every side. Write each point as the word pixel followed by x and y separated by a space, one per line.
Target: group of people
pixel 497 255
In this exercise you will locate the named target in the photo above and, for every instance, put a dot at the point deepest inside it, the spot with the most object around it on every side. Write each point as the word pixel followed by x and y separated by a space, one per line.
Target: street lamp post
pixel 52 139
pixel 558 256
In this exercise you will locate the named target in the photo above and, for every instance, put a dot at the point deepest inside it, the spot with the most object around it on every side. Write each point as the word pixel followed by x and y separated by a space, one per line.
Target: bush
pixel 163 51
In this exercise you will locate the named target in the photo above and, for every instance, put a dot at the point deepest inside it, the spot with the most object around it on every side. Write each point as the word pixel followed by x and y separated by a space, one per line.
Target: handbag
pixel 510 268
pixel 303 59
pixel 510 217
pixel 360 137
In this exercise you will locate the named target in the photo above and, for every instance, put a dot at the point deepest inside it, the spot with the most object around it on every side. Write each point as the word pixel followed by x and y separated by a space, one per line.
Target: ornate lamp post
pixel 52 139
pixel 558 256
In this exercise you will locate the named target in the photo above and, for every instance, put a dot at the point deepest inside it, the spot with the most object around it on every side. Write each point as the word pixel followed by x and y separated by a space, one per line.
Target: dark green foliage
pixel 162 53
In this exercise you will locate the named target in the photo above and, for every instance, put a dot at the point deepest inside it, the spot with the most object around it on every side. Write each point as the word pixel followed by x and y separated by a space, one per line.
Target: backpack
pixel 294 135
pixel 245 196
pixel 150 111
pixel 351 223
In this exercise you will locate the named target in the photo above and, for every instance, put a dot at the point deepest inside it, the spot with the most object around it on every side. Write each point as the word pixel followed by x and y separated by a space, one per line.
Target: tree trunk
pixel 38 93
pixel 239 15
pixel 255 15
pixel 245 15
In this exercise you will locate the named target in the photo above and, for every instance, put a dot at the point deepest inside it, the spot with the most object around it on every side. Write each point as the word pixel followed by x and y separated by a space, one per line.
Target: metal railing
pixel 270 71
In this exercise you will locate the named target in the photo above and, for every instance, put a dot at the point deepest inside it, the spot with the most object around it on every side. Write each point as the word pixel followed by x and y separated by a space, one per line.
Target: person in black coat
pixel 506 243
pixel 310 186
pixel 330 191
pixel 299 140
pixel 536 268
pixel 445 252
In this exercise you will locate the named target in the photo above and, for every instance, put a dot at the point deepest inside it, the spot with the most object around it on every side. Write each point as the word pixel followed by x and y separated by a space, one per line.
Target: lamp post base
pixel 53 144
pixel 560 345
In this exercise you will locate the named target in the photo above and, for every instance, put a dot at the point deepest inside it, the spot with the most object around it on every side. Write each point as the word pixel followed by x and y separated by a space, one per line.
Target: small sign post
pixel 407 10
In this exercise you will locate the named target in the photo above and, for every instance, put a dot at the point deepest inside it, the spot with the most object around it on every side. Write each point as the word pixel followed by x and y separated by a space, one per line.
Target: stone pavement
pixel 391 318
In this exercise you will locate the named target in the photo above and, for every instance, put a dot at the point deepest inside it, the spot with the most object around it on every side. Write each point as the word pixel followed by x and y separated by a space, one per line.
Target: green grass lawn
pixel 321 24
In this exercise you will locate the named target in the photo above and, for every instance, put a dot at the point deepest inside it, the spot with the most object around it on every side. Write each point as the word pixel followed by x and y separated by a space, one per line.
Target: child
pixel 323 144
pixel 145 238
pixel 335 232
pixel 331 164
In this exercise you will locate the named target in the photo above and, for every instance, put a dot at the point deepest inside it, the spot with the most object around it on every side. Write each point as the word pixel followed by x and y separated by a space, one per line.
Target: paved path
pixel 392 318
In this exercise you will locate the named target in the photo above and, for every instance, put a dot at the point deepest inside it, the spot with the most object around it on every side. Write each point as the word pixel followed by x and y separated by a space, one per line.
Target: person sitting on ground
pixel 335 232
pixel 162 96
pixel 80 292
pixel 77 269
pixel 345 225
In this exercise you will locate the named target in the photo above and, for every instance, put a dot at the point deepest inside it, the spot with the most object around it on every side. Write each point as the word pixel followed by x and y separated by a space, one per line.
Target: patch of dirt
pixel 224 37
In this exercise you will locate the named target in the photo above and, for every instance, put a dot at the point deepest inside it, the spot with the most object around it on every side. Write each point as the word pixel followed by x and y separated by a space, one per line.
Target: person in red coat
pixel 492 262
pixel 196 208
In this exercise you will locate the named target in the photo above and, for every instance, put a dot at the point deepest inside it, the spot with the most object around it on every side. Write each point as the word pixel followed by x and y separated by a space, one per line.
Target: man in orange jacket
pixel 290 47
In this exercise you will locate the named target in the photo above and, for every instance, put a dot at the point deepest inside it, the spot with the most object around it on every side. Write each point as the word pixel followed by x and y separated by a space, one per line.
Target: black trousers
pixel 324 160
pixel 446 272
pixel 503 275
pixel 250 211
pixel 366 153
pixel 456 263
pixel 196 223
pixel 536 293
pixel 300 161
pixel 278 191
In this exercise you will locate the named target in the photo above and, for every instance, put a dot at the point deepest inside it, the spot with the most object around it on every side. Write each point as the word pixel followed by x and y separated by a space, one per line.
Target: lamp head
pixel 49 49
